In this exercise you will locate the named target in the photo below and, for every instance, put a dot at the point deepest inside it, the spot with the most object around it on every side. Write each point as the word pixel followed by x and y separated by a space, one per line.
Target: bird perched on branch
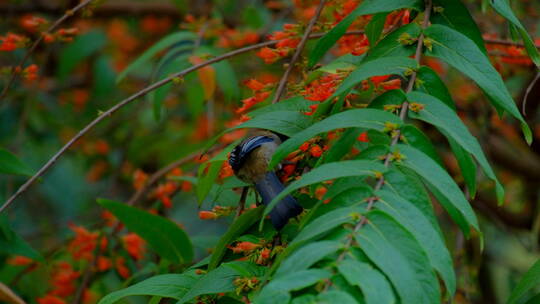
pixel 249 161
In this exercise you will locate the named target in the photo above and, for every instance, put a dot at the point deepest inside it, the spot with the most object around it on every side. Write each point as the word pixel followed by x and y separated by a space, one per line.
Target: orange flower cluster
pixel 11 42
pixel 353 44
pixel 33 23
pixel 257 252
pixel 288 41
pixel 134 245
pixel 139 179
pixel 261 93
pixel 233 38
pixel 63 280
pixel 20 260
pixel 84 243
pixel 217 212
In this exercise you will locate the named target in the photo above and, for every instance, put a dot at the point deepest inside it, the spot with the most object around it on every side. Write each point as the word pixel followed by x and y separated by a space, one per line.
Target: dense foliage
pixel 393 112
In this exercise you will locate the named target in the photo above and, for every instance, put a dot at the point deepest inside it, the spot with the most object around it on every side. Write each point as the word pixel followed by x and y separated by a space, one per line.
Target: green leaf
pixel 221 279
pixel 239 226
pixel 11 164
pixel 438 114
pixel 430 83
pixel 377 67
pixel 284 122
pixel 12 243
pixel 76 52
pixel 290 282
pixel 165 285
pixel 323 224
pixel 407 214
pixel 165 42
pixel 375 27
pixel 295 104
pixel 436 176
pixel 466 164
pixel 397 253
pixel 359 118
pixel 416 138
pixel 207 178
pixel 529 281
pixel 503 8
pixel 336 296
pixel 459 51
pixel 164 236
pixel 306 256
pixel 228 82
pixel 373 284
pixel 456 15
pixel 327 172
pixel 390 46
pixel 406 184
pixel 367 7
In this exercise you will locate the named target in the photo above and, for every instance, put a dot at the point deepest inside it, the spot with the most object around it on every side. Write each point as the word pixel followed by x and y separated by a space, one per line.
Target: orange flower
pixel 268 55
pixel 316 151
pixel 363 137
pixel 320 192
pixel 63 280
pixel 134 245
pixel 89 297
pixel 12 42
pixel 207 215
pixel 304 147
pixel 84 243
pixel 254 84
pixel 102 147
pixel 30 73
pixel 139 179
pixel 121 268
pixel 391 84
pixel 32 23
pixel 244 247
pixel 20 260
pixel 109 218
pixel 103 263
pixel 49 299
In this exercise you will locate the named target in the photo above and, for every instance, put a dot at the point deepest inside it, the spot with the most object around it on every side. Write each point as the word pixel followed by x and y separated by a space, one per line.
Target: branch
pixel 283 82
pixel 395 138
pixel 130 99
pixel 66 15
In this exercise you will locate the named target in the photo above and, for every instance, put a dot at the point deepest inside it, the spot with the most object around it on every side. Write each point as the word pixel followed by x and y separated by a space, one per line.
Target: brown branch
pixel 154 178
pixel 130 99
pixel 395 138
pixel 56 24
pixel 283 82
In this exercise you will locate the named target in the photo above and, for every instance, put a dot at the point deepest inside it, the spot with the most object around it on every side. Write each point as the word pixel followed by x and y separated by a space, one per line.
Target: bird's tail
pixel 268 188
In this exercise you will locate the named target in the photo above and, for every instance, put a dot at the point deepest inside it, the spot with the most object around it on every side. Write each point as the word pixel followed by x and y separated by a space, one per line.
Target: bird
pixel 249 161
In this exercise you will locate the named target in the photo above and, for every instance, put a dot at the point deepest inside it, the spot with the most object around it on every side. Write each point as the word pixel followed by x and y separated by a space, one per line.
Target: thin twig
pixel 130 99
pixel 57 23
pixel 527 92
pixel 283 82
pixel 154 178
pixel 395 138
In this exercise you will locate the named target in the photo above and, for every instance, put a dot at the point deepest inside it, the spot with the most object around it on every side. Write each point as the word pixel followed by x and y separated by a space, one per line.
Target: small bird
pixel 249 161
